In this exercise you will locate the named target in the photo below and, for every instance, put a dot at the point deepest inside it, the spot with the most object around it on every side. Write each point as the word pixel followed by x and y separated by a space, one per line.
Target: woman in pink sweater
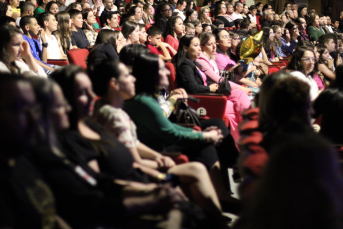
pixel 239 99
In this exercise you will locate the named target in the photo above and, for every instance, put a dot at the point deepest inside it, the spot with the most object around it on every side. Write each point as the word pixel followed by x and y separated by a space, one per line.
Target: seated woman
pixel 268 44
pixel 247 74
pixel 238 101
pixel 148 13
pixel 197 27
pixel 105 48
pixel 174 27
pixel 203 16
pixel 289 45
pixel 191 15
pixel 88 21
pixel 313 27
pixel 325 65
pixel 304 62
pixel 85 198
pixel 114 84
pixel 137 12
pixel 91 143
pixel 130 32
pixel 220 13
pixel 63 31
pixel 277 41
pixel 13 47
pixel 157 132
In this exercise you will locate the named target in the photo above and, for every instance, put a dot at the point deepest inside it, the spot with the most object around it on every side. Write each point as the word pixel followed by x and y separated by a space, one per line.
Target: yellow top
pixel 15 10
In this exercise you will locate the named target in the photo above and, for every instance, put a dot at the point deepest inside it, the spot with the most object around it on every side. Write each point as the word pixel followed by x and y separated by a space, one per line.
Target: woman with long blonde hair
pixel 203 15
pixel 63 30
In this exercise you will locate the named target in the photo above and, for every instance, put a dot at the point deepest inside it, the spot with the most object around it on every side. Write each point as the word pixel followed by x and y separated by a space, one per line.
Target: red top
pixel 172 41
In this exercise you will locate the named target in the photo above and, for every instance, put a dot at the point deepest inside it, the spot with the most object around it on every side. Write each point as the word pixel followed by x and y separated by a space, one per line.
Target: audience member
pixel 108 8
pixel 156 46
pixel 88 22
pixel 162 14
pixel 26 9
pixel 78 37
pixel 203 16
pixel 48 23
pixel 41 7
pixel 52 7
pixel 63 31
pixel 174 27
pixel 220 13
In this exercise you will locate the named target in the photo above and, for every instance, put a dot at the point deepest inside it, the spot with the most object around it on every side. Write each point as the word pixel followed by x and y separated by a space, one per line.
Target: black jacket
pixel 189 78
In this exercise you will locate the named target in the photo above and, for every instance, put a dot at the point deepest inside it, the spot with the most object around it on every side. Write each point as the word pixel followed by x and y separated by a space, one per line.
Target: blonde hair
pixel 200 15
pixel 63 31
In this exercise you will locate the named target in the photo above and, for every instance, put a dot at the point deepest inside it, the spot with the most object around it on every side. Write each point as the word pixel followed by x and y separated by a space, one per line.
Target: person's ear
pixel 114 84
pixel 149 38
pixel 185 48
pixel 27 28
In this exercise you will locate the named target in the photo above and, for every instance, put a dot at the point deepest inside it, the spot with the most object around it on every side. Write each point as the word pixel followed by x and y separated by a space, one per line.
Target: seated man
pixel 27 9
pixel 78 37
pixel 30 28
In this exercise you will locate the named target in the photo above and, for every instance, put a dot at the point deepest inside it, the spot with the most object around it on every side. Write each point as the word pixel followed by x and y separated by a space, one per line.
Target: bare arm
pixel 326 72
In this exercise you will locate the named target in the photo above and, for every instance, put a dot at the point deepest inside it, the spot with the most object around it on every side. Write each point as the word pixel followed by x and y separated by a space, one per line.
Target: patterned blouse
pixel 91 36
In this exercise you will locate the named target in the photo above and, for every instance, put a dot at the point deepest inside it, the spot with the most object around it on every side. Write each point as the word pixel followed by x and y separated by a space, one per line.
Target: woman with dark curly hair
pixel 304 62
pixel 174 27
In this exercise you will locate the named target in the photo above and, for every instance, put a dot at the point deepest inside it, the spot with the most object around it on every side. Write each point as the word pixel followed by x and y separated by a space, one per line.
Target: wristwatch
pixel 45 45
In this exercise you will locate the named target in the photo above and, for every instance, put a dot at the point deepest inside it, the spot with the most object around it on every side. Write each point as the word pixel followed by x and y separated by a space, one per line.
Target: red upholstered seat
pixel 78 57
pixel 58 62
pixel 271 70
pixel 147 27
pixel 211 105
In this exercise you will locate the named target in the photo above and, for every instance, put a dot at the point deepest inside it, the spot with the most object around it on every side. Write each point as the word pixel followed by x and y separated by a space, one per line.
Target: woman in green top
pixel 157 132
pixel 41 7
pixel 313 28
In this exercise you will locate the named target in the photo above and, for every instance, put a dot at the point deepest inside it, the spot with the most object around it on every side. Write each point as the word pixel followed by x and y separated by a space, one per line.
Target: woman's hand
pixel 164 162
pixel 26 50
pixel 330 63
pixel 213 87
pixel 213 135
pixel 258 82
pixel 247 90
pixel 179 93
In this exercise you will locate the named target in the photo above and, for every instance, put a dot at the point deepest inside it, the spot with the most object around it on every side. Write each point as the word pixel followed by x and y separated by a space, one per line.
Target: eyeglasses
pixel 236 39
pixel 167 10
pixel 309 59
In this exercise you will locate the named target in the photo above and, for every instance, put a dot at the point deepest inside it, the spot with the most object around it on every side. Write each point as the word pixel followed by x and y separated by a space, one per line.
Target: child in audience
pixel 112 20
pixel 52 7
pixel 155 44
pixel 78 37
pixel 12 56
pixel 189 29
pixel 48 23
pixel 142 34
pixel 63 31
pixel 30 27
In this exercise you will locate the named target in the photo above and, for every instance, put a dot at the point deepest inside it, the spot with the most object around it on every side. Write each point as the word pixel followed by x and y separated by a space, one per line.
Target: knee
pixel 197 168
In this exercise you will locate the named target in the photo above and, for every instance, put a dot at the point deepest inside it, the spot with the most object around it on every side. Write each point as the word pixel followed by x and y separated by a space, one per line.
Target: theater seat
pixel 58 62
pixel 211 104
pixel 78 57
pixel 147 27
pixel 272 70
pixel 97 18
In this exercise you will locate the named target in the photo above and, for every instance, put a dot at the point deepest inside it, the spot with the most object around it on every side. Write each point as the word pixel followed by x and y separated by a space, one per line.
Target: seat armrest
pixel 59 62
